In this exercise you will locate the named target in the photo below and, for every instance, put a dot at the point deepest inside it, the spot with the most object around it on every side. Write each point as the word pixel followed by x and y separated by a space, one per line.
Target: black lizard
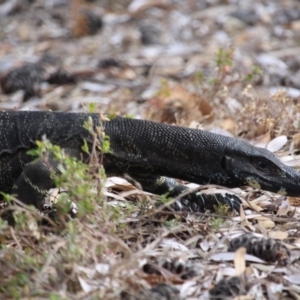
pixel 149 152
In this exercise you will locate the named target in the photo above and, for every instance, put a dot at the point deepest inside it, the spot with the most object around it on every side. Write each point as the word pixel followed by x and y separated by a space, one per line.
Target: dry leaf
pixel 277 143
pixel 229 256
pixel 296 140
pixel 254 206
pixel 204 245
pixel 102 268
pixel 176 104
pixel 205 107
pixel 266 224
pixel 173 244
pixel 229 125
pixel 283 208
pixel 274 288
pixel 293 278
pixel 239 261
pixel 244 220
pixel 32 226
pixel 87 288
pixel 297 241
pixel 263 140
pixel 119 183
pixel 114 196
pixel 280 235
pixel 262 267
pixel 137 6
pixel 187 287
pixel 219 130
pixel 245 297
pixel 294 201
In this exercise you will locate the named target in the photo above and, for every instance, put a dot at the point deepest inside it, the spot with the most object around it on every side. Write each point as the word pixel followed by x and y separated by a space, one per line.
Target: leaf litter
pixel 158 60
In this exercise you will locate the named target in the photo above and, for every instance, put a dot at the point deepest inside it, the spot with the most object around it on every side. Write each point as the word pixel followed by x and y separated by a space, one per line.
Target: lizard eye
pixel 262 164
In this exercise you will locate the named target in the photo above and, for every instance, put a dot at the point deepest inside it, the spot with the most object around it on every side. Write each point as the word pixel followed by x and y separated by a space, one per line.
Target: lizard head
pixel 259 168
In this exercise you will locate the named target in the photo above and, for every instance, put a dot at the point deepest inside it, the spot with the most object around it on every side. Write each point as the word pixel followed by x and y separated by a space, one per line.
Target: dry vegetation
pixel 224 66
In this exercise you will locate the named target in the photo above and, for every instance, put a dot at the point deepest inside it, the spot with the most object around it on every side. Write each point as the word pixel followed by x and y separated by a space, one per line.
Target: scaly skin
pixel 149 152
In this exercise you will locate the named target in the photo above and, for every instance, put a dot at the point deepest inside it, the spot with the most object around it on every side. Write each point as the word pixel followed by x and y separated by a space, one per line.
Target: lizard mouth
pixel 282 188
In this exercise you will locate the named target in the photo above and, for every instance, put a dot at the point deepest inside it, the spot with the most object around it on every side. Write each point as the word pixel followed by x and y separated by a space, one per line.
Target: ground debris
pixel 160 292
pixel 168 61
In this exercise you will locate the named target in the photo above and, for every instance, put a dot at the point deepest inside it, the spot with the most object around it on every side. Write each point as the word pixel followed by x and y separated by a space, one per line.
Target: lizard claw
pixel 49 208
pixel 73 209
pixel 53 197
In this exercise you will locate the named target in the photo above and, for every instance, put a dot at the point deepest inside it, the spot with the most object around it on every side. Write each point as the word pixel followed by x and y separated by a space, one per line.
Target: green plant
pixel 224 75
pixel 216 223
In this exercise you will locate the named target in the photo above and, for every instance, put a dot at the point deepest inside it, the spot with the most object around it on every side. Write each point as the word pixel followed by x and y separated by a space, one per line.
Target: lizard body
pixel 149 152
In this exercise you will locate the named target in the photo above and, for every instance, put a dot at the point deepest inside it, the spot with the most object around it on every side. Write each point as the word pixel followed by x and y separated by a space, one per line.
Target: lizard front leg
pixel 190 200
pixel 35 181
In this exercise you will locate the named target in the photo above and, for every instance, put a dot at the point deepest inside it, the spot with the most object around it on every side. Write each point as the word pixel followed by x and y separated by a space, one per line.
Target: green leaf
pixel 92 107
pixel 85 147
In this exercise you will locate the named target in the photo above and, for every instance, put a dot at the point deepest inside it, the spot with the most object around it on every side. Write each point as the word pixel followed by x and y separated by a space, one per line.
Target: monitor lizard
pixel 154 154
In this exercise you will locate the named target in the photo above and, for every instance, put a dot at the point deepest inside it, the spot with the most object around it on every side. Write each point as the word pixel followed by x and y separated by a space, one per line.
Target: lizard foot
pixel 199 202
pixel 49 208
pixel 52 200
